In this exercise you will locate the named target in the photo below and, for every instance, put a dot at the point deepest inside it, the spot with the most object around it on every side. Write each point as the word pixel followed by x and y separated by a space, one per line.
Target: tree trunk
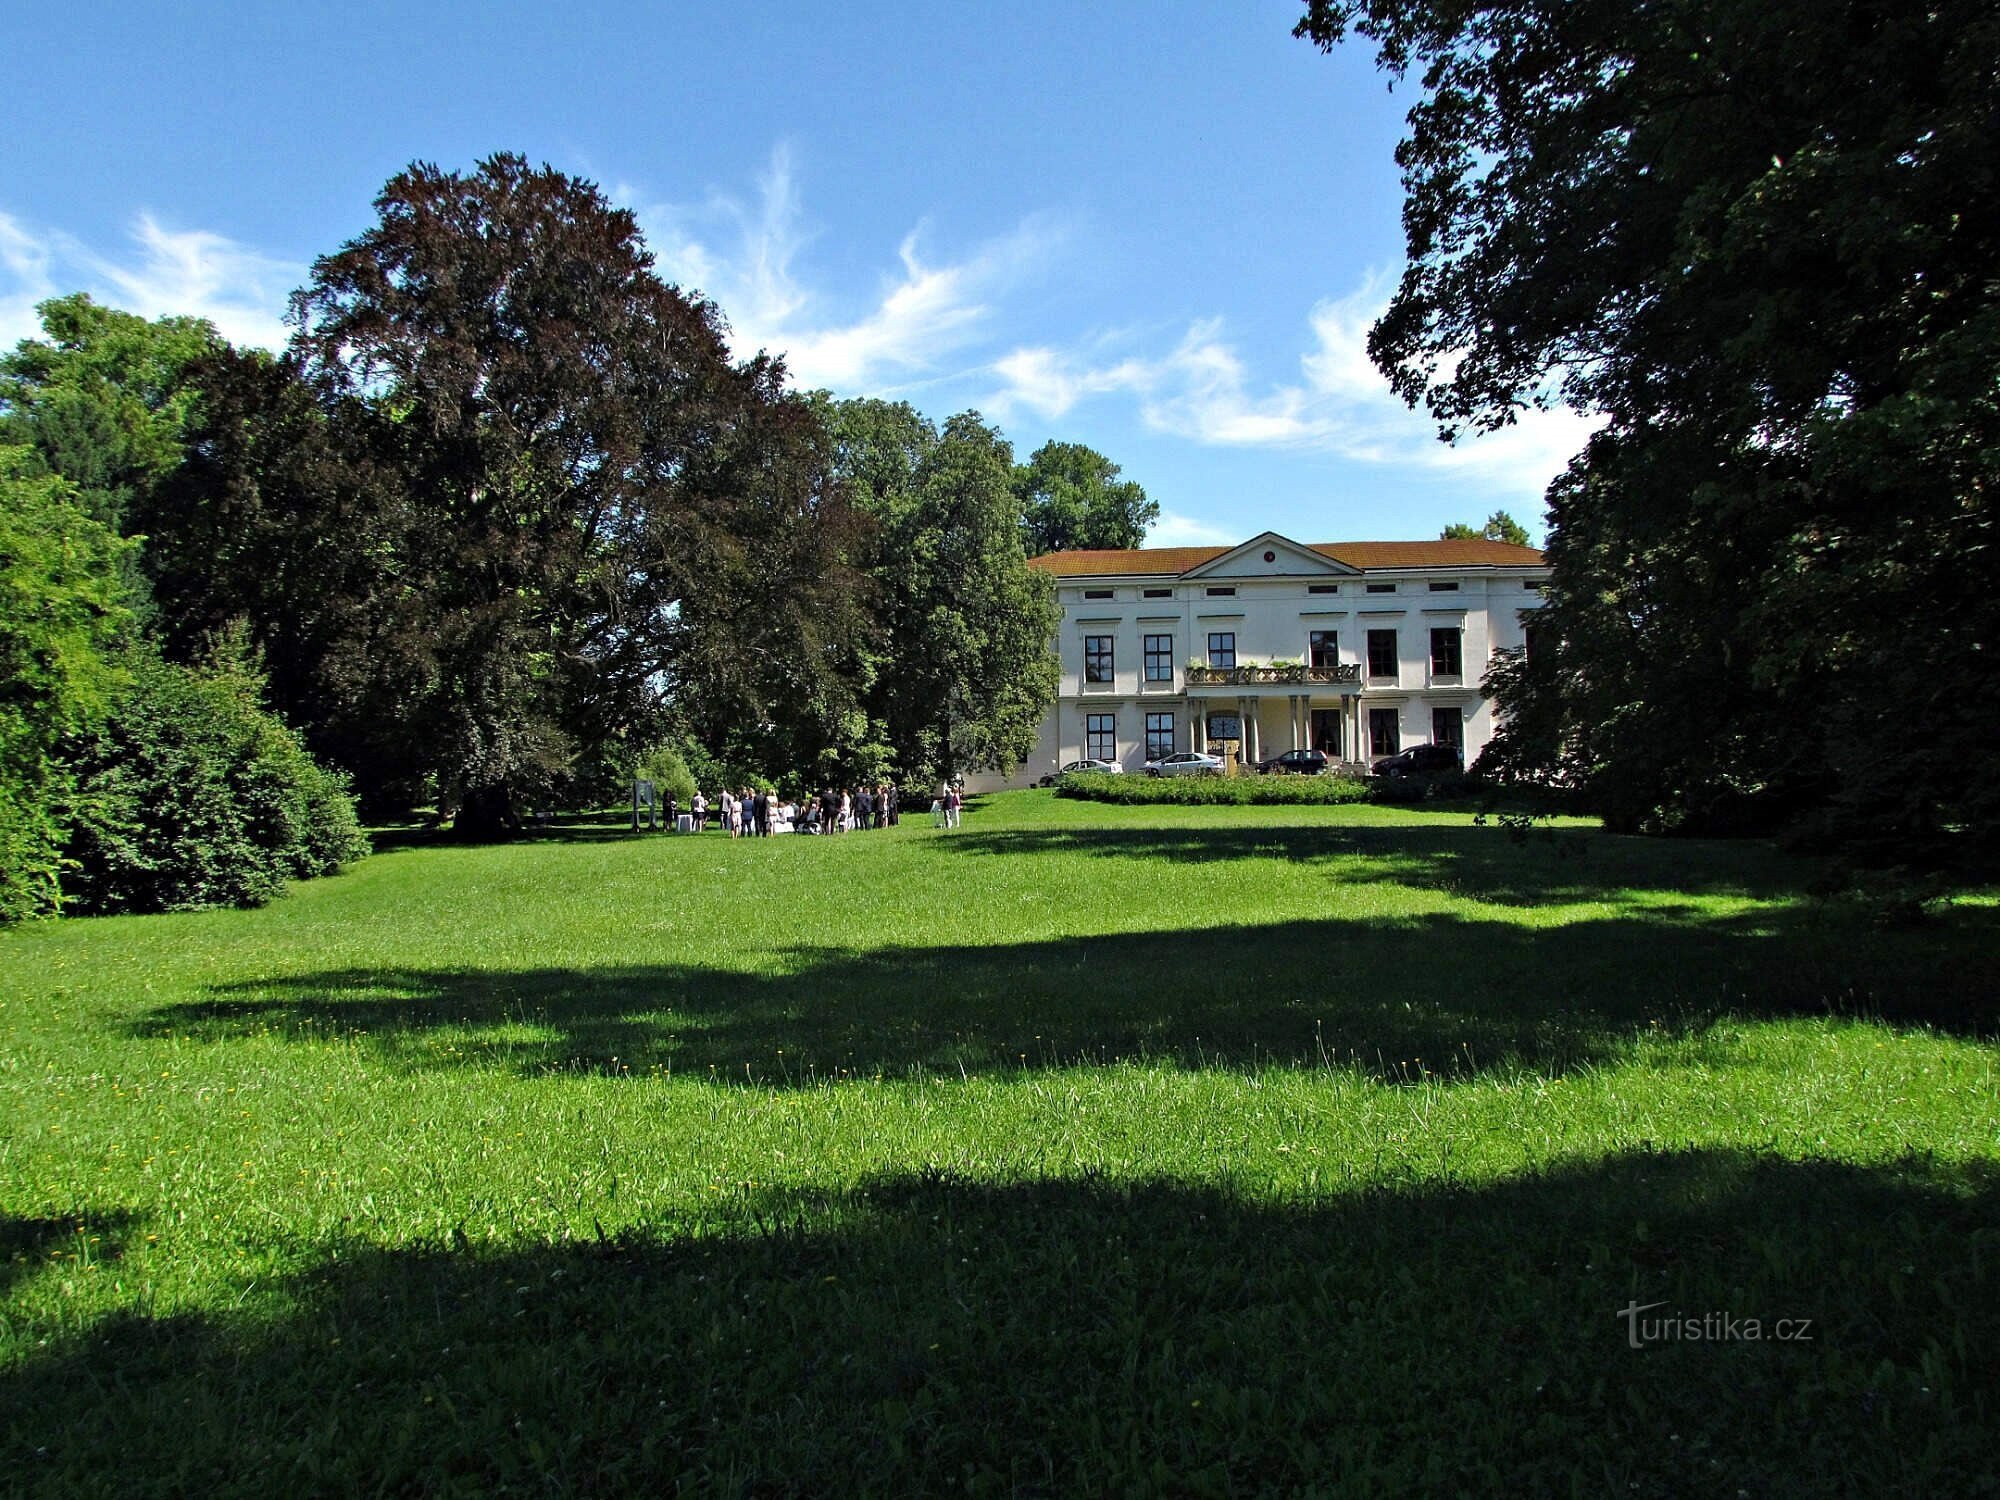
pixel 487 813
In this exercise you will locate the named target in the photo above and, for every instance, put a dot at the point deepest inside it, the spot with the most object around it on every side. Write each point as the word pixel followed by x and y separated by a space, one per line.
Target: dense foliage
pixel 1759 238
pixel 959 672
pixel 507 513
pixel 128 782
pixel 585 508
pixel 103 398
pixel 189 795
pixel 62 617
pixel 1072 497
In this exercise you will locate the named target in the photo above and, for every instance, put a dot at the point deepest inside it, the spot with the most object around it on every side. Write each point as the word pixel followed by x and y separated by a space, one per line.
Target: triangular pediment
pixel 1269 555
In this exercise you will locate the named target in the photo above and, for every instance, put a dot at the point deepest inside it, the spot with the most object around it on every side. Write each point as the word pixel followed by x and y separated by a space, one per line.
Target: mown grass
pixel 1086 1148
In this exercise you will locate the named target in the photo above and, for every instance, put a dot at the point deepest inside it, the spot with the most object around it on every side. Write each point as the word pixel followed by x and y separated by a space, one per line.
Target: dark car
pixel 1298 762
pixel 1421 760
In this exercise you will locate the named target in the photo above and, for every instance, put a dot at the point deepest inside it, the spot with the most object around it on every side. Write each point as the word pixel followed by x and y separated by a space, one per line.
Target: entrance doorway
pixel 1326 732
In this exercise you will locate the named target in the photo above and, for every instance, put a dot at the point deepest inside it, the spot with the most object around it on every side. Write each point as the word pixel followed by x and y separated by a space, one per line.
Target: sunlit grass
pixel 1086 1145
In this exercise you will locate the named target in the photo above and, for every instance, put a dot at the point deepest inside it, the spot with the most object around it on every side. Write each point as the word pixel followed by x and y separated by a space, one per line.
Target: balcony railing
pixel 1245 676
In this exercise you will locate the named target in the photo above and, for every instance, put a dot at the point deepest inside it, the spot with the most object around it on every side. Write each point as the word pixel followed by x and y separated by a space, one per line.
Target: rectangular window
pixel 1098 594
pixel 1534 639
pixel 1384 738
pixel 1228 593
pixel 1448 728
pixel 1323 647
pixel 1533 585
pixel 1382 654
pixel 1159 658
pixel 1159 736
pixel 1100 736
pixel 1222 648
pixel 1159 593
pixel 1447 660
pixel 1097 658
pixel 1322 588
pixel 1381 588
pixel 1444 586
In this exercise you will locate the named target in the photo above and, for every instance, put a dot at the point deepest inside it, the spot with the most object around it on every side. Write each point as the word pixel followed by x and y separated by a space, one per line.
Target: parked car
pixel 1187 763
pixel 1421 760
pixel 1088 763
pixel 1297 763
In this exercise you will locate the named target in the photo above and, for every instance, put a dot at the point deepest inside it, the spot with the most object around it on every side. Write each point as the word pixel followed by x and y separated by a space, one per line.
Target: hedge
pixel 1288 791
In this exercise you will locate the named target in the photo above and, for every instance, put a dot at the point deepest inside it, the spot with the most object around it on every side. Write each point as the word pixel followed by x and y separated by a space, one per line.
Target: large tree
pixel 961 671
pixel 1071 497
pixel 1758 237
pixel 602 519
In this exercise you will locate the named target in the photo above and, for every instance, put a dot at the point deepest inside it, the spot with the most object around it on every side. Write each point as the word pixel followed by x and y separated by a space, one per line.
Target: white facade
pixel 1167 649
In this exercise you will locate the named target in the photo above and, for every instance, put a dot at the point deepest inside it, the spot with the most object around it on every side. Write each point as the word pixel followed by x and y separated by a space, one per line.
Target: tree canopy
pixel 1499 527
pixel 1758 237
pixel 961 671
pixel 1071 497
pixel 103 398
pixel 594 510
pixel 63 612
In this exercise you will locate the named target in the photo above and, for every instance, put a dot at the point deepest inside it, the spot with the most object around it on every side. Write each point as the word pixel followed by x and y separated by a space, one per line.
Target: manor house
pixel 1358 648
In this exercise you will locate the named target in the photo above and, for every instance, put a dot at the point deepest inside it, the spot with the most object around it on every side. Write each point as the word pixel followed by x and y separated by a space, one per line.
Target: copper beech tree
pixel 591 517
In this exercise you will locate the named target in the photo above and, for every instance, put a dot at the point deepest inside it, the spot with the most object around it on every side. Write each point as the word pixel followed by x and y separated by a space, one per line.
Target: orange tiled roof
pixel 1363 555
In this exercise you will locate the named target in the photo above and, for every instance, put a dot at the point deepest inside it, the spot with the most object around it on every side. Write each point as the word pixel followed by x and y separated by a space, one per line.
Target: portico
pixel 1246 693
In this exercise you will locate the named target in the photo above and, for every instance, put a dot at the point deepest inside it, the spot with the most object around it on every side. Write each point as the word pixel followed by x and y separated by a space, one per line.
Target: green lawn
pixel 1151 1149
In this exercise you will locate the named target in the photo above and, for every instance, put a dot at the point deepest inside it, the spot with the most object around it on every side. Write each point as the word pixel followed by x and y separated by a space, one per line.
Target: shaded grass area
pixel 1310 993
pixel 1086 1148
pixel 927 1334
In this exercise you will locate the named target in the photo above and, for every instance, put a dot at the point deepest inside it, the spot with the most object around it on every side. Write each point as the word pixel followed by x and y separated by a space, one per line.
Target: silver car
pixel 1186 763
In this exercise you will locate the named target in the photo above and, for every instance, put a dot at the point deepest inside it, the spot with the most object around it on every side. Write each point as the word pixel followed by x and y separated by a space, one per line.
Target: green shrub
pixel 62 613
pixel 667 769
pixel 1213 791
pixel 190 794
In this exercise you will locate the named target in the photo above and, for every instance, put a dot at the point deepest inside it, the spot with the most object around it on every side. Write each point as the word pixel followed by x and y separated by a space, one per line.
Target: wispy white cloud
pixel 1203 390
pixel 1175 530
pixel 743 255
pixel 162 272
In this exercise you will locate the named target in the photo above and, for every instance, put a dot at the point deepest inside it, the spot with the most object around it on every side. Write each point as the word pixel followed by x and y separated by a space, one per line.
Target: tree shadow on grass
pixel 29 1245
pixel 568 828
pixel 1401 999
pixel 928 1334
pixel 1540 867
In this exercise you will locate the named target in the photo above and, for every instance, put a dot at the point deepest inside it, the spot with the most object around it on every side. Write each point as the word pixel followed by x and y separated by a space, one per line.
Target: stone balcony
pixel 1262 680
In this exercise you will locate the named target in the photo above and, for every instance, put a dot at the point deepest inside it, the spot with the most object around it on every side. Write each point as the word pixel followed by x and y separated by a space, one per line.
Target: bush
pixel 62 614
pixel 190 795
pixel 667 769
pixel 1213 791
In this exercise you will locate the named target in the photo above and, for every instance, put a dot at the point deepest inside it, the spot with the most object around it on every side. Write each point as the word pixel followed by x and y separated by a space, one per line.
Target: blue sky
pixel 1160 229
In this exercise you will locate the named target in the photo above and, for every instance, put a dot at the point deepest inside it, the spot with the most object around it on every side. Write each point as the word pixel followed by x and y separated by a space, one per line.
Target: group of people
pixel 754 812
